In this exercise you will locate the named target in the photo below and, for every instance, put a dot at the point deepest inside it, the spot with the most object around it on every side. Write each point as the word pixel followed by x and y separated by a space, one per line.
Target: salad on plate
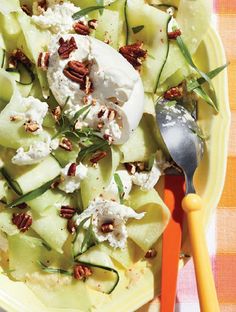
pixel 80 150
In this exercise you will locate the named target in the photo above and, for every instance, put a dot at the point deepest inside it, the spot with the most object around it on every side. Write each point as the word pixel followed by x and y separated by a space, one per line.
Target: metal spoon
pixel 180 131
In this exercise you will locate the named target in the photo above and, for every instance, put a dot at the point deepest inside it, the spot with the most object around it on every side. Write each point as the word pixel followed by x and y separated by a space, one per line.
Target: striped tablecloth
pixel 223 227
pixel 224 224
pixel 222 231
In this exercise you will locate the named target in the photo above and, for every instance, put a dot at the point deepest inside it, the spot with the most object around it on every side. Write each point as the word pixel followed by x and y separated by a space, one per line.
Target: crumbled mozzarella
pixel 105 211
pixel 37 152
pixel 110 127
pixel 112 190
pixel 70 184
pixel 148 179
pixel 57 18
pixel 34 110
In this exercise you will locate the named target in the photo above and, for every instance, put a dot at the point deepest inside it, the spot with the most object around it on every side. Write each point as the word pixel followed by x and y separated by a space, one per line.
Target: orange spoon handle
pixel 174 193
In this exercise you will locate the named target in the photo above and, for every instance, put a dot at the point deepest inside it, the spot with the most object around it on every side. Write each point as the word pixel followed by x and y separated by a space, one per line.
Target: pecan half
pixel 107 227
pixel 42 4
pixel 15 118
pixel 93 24
pixel 151 253
pixel 31 126
pixel 66 47
pixel 130 167
pixel 140 166
pixel 56 112
pixel 79 73
pixel 108 138
pixel 113 99
pixel 72 170
pixel 71 226
pixel 98 156
pixel 18 56
pixel 174 34
pixel 111 114
pixel 137 166
pixel 55 184
pixel 22 206
pixel 26 9
pixel 22 220
pixel 100 125
pixel 101 112
pixel 134 54
pixel 66 144
pixel 175 93
pixel 81 29
pixel 81 272
pixel 43 60
pixel 67 212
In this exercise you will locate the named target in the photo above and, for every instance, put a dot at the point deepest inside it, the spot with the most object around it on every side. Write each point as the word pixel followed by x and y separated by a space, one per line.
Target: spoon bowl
pixel 180 134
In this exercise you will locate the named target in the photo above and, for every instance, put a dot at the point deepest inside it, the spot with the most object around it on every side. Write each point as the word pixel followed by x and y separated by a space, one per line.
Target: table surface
pixel 225 260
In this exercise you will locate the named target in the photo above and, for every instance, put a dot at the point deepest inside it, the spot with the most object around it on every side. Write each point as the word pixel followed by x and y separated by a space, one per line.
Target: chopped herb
pixel 3 58
pixel 98 144
pixel 86 114
pixel 7 271
pixel 199 133
pixel 66 125
pixel 210 100
pixel 103 268
pixel 151 162
pixel 80 226
pixel 100 3
pixel 202 94
pixel 86 11
pixel 80 112
pixel 45 245
pixel 166 56
pixel 126 23
pixel 53 270
pixel 12 183
pixel 120 187
pixel 89 238
pixel 66 102
pixel 212 74
pixel 33 194
pixel 21 68
pixel 137 29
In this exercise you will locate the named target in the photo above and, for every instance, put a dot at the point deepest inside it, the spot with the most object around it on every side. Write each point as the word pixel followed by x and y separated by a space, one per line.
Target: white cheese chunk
pixel 33 110
pixel 72 183
pixel 57 18
pixel 148 179
pixel 37 152
pixel 106 211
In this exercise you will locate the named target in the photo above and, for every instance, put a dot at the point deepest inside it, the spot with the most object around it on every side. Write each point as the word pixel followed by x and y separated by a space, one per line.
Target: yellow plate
pixel 209 181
